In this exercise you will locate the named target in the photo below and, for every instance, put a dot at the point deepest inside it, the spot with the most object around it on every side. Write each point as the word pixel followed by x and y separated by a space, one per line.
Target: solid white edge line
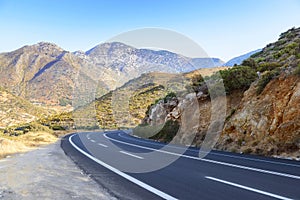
pixel 124 152
pixel 126 176
pixel 103 145
pixel 213 153
pixel 248 188
pixel 207 160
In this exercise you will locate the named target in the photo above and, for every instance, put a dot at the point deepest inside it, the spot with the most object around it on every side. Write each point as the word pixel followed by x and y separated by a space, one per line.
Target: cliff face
pixel 262 112
pixel 268 123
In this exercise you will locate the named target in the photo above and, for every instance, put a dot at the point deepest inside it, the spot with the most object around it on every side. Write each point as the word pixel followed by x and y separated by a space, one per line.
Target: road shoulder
pixel 46 173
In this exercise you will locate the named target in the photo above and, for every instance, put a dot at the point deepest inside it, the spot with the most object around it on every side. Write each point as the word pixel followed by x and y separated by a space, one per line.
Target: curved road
pixel 121 164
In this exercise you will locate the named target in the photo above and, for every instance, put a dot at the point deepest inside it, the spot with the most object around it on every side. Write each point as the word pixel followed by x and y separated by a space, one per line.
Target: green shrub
pixel 297 70
pixel 265 79
pixel 250 62
pixel 167 133
pixel 57 128
pixel 255 55
pixel 230 114
pixel 238 78
pixel 247 151
pixel 146 130
pixel 169 96
pixel 268 66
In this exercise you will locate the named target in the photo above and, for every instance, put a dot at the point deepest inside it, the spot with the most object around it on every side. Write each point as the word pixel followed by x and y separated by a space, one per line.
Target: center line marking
pixel 248 188
pixel 103 145
pixel 207 160
pixel 124 152
pixel 124 175
pixel 138 139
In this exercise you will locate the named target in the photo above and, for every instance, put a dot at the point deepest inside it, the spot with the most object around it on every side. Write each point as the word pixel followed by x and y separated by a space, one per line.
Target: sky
pixel 223 28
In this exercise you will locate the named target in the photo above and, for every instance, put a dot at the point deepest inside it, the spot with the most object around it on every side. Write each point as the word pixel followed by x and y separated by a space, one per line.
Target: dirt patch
pixel 46 173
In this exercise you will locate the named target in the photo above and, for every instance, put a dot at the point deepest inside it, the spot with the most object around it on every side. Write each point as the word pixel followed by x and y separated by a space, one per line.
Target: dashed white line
pixel 124 152
pixel 126 176
pixel 213 153
pixel 248 188
pixel 208 160
pixel 93 141
pixel 103 145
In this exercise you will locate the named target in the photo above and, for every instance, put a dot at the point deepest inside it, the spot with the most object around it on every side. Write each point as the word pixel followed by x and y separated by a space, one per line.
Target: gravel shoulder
pixel 46 173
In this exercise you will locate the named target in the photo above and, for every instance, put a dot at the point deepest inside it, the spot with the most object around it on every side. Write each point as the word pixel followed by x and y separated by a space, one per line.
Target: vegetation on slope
pixel 272 74
pixel 15 110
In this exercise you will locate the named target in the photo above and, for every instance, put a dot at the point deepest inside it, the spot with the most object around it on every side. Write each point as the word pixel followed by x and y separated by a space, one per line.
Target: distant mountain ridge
pixel 239 59
pixel 47 74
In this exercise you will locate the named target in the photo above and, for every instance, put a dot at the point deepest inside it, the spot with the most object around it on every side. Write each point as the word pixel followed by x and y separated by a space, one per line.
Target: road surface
pixel 123 165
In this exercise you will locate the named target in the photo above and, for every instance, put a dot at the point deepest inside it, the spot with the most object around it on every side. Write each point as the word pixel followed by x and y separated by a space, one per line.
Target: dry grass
pixel 24 143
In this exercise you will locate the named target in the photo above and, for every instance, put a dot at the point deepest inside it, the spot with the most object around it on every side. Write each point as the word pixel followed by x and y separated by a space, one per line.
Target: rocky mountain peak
pixel 109 47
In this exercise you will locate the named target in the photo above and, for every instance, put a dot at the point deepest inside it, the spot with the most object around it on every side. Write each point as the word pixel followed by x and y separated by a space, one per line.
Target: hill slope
pixel 262 111
pixel 47 74
pixel 126 106
pixel 15 110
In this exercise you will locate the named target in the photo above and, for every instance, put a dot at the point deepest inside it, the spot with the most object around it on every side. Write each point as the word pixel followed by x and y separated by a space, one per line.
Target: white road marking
pixel 213 153
pixel 248 188
pixel 124 152
pixel 129 178
pixel 103 145
pixel 208 160
pixel 93 141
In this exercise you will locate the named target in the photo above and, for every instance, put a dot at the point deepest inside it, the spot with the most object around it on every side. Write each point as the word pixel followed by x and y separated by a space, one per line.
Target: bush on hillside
pixel 265 79
pixel 250 62
pixel 168 132
pixel 238 78
pixel 297 70
pixel 268 66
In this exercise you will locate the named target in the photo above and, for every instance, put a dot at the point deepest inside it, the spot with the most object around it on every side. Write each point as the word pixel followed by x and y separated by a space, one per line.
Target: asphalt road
pixel 133 168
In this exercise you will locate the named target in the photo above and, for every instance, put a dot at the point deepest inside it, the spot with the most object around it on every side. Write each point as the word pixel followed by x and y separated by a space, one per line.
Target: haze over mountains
pixel 44 73
pixel 239 59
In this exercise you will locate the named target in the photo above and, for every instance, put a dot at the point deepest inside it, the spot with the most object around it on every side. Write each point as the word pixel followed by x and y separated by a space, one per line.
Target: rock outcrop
pixel 261 119
pixel 268 123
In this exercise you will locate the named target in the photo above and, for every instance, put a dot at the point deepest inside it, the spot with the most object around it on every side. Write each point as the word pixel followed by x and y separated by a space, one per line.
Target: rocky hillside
pixel 15 110
pixel 42 73
pixel 45 73
pixel 126 106
pixel 268 123
pixel 262 104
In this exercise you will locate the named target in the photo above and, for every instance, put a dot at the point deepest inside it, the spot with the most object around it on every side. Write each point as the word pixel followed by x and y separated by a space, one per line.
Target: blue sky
pixel 223 28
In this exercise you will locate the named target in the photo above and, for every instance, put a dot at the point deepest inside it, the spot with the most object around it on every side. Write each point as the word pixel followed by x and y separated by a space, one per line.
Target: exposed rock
pixel 263 119
pixel 268 123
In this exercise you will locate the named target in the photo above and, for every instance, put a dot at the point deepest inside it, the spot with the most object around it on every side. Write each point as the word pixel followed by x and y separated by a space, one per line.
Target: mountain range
pixel 239 59
pixel 114 85
pixel 46 74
